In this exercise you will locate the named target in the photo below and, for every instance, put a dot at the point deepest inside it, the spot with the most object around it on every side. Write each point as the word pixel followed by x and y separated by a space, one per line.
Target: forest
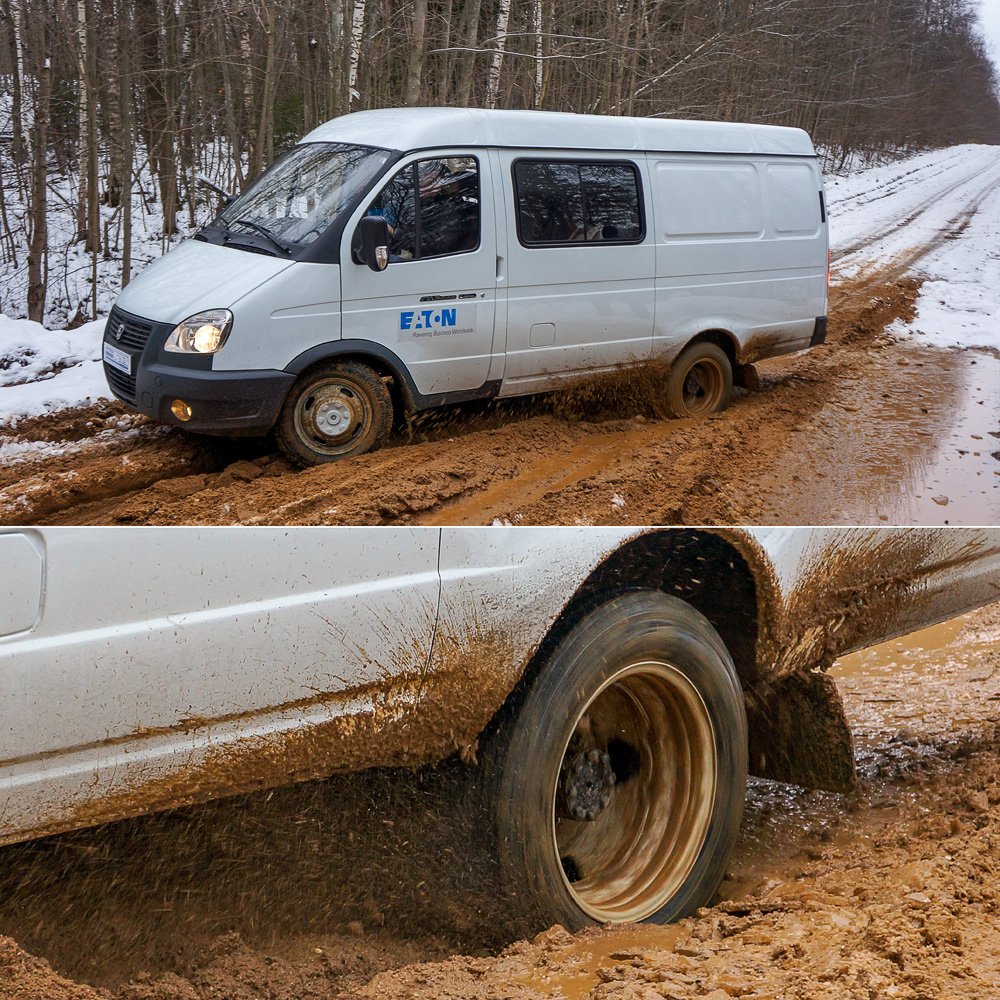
pixel 109 108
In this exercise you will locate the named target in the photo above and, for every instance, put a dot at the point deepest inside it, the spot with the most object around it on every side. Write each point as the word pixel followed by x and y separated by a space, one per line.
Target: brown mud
pixel 860 430
pixel 363 886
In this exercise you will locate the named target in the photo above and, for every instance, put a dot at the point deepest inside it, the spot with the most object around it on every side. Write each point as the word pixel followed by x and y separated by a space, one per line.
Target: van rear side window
pixel 561 201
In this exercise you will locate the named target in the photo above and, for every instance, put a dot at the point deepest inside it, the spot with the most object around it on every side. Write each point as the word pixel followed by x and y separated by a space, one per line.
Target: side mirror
pixel 227 198
pixel 374 242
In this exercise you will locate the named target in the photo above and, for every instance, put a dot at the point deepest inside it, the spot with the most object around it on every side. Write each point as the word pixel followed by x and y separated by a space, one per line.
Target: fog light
pixel 180 409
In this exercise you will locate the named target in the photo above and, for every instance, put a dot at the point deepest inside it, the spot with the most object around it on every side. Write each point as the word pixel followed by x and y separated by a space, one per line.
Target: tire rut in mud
pixel 840 255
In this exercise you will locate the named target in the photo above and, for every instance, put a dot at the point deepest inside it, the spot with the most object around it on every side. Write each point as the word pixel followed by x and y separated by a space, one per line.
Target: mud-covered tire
pixel 642 686
pixel 334 411
pixel 700 381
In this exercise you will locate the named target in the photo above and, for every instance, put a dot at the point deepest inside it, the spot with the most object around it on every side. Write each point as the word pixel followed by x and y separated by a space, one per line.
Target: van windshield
pixel 298 198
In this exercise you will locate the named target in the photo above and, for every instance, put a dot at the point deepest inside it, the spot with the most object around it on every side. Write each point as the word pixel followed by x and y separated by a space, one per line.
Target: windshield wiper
pixel 266 233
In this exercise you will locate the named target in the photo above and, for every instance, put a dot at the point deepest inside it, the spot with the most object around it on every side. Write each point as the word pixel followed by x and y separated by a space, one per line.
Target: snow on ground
pixel 959 303
pixel 875 214
pixel 44 370
pixel 878 213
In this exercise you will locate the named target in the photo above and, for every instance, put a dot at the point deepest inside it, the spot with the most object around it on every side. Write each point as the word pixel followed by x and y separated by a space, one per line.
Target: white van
pixel 582 666
pixel 404 259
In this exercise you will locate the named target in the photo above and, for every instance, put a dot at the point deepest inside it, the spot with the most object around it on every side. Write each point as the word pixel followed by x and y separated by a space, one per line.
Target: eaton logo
pixel 428 319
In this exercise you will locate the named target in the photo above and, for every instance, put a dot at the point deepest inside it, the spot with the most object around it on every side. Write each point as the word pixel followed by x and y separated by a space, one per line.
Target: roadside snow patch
pixel 959 302
pixel 44 370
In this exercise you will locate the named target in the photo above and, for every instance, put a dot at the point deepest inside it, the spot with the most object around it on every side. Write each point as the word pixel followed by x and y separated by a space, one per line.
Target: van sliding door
pixel 580 260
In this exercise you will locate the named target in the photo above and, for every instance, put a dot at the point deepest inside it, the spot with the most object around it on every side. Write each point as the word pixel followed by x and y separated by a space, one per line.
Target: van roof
pixel 424 128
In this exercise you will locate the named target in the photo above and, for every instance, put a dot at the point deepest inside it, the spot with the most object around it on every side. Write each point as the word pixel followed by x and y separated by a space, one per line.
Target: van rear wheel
pixel 617 786
pixel 334 411
pixel 700 381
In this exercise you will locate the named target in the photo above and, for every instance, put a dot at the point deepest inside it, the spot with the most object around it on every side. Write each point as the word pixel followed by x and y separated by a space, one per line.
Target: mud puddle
pixel 582 958
pixel 941 465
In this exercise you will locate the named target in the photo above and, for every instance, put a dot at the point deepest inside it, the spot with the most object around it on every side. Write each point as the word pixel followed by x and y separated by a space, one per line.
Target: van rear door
pixel 580 265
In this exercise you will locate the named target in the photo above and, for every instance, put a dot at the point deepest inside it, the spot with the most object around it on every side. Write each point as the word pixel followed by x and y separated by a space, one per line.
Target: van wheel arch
pixel 744 375
pixel 721 338
pixel 381 360
pixel 711 574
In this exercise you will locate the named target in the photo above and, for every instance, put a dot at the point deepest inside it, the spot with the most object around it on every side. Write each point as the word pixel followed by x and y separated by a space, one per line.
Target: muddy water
pixel 940 680
pixel 946 469
pixel 580 960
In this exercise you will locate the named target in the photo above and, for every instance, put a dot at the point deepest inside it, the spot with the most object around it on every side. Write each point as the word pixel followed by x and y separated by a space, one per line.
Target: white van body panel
pixel 22 583
pixel 169 666
pixel 739 249
pixel 195 276
pixel 156 648
pixel 274 324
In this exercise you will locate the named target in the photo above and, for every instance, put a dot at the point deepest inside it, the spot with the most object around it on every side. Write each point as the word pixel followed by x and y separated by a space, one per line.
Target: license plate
pixel 118 359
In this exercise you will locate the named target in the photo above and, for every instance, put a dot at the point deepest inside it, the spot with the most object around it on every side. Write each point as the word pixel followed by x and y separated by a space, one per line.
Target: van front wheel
pixel 332 412
pixel 700 381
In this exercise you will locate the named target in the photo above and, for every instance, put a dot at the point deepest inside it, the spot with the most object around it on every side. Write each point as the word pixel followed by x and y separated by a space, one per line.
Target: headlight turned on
pixel 203 333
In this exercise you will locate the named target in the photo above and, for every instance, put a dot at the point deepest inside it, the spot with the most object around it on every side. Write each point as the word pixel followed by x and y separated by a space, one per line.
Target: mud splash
pixel 338 888
pixel 432 704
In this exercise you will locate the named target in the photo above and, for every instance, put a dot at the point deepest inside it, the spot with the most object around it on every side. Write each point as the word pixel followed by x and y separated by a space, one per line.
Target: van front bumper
pixel 229 403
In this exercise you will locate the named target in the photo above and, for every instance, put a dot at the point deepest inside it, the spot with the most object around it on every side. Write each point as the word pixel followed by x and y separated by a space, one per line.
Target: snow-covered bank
pixel 959 303
pixel 882 212
pixel 44 370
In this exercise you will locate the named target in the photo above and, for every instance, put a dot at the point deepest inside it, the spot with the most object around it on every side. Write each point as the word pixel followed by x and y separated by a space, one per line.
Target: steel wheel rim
pixel 702 388
pixel 332 415
pixel 629 861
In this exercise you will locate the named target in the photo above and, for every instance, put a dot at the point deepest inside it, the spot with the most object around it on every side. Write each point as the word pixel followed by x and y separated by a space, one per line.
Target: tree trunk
pixel 357 26
pixel 500 43
pixel 127 154
pixel 468 59
pixel 415 69
pixel 38 240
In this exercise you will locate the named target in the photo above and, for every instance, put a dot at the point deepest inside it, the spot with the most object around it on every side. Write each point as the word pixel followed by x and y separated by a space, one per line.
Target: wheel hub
pixel 333 417
pixel 585 784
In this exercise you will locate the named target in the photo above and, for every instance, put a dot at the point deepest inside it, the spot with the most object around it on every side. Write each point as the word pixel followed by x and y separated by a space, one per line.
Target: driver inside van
pixel 449 210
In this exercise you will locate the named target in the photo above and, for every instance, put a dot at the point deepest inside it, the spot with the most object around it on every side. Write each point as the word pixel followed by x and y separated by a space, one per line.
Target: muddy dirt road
pixel 868 428
pixel 321 891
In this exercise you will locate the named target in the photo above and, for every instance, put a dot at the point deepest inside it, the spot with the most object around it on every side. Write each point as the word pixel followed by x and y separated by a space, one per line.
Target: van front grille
pixel 121 384
pixel 127 332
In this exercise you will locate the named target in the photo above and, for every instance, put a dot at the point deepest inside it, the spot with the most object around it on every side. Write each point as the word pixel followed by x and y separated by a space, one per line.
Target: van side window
pixel 577 202
pixel 432 208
